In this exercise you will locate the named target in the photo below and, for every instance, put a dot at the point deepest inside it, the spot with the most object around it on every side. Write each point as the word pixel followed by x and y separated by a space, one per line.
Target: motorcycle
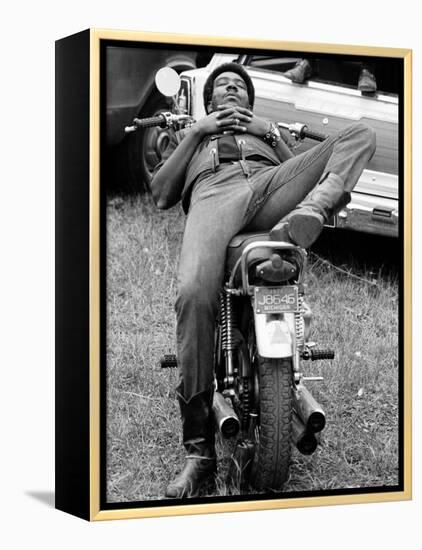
pixel 261 345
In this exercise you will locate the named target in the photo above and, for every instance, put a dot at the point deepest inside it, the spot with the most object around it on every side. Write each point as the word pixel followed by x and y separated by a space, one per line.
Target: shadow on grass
pixel 360 251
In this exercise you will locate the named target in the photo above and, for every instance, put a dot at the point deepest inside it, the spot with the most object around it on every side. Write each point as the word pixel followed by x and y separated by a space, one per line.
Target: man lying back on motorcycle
pixel 233 171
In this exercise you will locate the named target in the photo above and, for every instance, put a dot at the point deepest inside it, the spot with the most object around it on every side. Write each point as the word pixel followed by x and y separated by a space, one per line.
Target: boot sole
pixel 280 233
pixel 304 229
pixel 209 482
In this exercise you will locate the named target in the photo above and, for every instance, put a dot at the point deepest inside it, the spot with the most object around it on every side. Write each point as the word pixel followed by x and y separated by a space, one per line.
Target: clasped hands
pixel 231 119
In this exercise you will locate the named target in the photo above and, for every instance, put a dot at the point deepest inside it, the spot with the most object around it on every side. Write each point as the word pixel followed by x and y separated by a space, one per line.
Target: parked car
pixel 130 92
pixel 325 106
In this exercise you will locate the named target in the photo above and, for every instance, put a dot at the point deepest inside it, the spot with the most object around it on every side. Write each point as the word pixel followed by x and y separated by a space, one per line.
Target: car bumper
pixel 369 214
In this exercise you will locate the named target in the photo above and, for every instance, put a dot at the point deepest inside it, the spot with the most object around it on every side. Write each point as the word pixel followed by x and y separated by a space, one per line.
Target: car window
pixel 272 63
pixel 335 71
pixel 220 58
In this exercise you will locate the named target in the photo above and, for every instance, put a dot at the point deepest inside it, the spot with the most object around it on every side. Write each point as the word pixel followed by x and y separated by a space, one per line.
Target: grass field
pixel 355 312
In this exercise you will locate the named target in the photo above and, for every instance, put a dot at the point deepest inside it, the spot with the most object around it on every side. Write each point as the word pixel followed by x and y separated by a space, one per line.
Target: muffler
pixel 305 441
pixel 308 409
pixel 225 417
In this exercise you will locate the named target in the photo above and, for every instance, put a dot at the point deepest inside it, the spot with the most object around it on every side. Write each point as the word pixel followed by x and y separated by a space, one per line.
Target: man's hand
pixel 232 119
pixel 244 121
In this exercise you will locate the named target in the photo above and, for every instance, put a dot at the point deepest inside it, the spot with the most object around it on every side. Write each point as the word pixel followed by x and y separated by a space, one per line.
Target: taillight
pixel 276 269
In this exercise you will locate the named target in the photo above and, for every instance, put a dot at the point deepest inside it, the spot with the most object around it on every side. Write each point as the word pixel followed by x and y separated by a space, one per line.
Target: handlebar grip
pixel 311 134
pixel 149 122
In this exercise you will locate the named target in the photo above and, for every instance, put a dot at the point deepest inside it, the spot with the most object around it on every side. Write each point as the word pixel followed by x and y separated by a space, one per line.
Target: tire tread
pixel 274 450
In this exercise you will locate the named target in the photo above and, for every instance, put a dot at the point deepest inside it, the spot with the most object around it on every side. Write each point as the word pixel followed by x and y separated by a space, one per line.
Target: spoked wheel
pixel 271 462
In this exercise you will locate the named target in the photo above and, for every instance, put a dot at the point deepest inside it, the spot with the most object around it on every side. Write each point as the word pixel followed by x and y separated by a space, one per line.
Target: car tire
pixel 152 141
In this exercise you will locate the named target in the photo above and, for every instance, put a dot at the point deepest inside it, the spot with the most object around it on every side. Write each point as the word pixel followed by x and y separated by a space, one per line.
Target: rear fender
pixel 275 334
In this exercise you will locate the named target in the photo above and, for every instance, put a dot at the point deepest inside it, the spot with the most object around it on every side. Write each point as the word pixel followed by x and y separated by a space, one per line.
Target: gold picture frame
pixel 80 418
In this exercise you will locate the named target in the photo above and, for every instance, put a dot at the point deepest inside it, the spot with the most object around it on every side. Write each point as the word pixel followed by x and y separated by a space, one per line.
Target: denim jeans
pixel 246 196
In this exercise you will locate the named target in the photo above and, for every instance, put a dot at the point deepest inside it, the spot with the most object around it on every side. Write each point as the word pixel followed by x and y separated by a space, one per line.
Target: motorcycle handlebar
pixel 301 131
pixel 164 120
pixel 167 120
pixel 312 134
pixel 159 120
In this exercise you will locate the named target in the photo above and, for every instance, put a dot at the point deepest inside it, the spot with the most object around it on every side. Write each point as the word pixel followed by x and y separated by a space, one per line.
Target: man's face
pixel 229 89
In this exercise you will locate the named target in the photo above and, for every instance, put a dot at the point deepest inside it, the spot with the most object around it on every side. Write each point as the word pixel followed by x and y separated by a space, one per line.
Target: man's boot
pixel 367 83
pixel 303 225
pixel 198 439
pixel 300 72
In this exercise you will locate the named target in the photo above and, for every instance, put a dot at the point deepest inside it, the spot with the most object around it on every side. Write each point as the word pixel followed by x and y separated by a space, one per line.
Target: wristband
pixel 273 136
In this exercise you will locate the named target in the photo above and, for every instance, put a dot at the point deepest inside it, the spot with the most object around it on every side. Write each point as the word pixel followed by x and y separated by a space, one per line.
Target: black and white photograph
pixel 109 288
pixel 252 250
pixel 178 372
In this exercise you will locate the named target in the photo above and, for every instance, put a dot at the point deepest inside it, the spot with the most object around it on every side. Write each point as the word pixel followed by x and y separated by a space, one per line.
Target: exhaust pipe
pixel 308 409
pixel 306 442
pixel 225 417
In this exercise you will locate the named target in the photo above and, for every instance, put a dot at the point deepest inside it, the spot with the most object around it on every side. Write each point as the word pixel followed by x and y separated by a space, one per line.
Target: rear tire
pixel 273 434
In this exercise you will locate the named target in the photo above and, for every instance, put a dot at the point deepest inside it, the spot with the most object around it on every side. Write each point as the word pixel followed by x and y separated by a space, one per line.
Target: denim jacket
pixel 206 156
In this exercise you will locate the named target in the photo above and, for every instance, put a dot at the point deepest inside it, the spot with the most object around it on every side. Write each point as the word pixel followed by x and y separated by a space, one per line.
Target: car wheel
pixel 153 141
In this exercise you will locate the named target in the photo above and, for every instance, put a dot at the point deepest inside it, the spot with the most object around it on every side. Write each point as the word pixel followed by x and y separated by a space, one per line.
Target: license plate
pixel 276 299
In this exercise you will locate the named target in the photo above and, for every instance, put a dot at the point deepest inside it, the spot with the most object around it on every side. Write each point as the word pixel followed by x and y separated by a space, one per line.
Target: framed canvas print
pixel 233 274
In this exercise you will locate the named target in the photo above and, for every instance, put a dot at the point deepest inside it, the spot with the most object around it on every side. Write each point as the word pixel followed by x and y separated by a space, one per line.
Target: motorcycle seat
pixel 238 244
